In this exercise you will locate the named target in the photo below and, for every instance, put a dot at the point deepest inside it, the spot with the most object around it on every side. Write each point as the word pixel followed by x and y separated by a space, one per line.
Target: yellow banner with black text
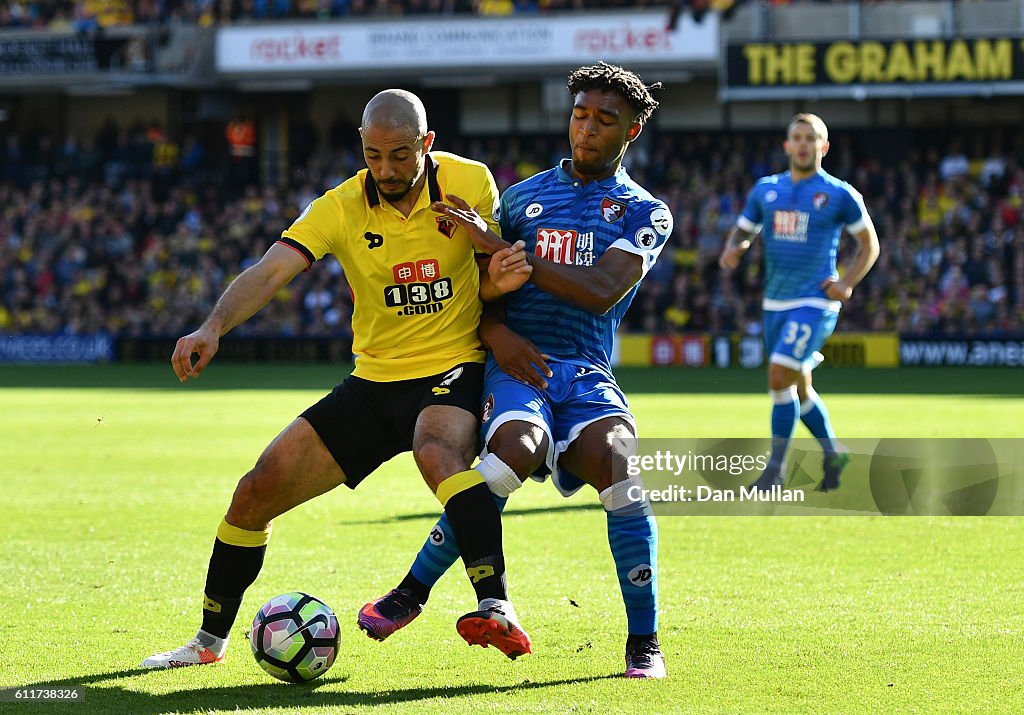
pixel 705 350
pixel 874 62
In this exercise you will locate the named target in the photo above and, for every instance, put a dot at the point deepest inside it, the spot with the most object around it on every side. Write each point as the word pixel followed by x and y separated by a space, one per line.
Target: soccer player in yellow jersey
pixel 418 374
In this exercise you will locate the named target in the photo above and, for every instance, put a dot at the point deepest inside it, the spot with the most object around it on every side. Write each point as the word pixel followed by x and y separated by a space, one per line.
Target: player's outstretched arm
pixel 866 257
pixel 507 271
pixel 735 246
pixel 249 292
pixel 516 355
pixel 594 288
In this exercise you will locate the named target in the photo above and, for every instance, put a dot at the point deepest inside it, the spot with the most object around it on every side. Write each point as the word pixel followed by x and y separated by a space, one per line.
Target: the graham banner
pixel 863 68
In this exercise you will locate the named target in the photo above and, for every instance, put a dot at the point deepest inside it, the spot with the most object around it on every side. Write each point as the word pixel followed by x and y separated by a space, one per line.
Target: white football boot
pixel 201 650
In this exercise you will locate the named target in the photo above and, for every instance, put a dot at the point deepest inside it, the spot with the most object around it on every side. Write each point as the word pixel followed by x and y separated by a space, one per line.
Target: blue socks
pixel 785 411
pixel 633 538
pixel 814 414
pixel 440 550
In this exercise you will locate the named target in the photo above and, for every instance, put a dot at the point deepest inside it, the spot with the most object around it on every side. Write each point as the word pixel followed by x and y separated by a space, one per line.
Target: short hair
pixel 816 122
pixel 612 78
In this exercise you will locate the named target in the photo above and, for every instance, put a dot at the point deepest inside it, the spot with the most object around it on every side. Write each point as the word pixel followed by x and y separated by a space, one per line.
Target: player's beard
pixel 395 194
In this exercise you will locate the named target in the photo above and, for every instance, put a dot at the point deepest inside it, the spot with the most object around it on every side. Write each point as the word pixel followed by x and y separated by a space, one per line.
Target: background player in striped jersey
pixel 418 372
pixel 591 234
pixel 800 215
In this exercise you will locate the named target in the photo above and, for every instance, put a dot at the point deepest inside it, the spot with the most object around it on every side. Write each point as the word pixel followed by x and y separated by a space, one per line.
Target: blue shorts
pixel 794 337
pixel 576 397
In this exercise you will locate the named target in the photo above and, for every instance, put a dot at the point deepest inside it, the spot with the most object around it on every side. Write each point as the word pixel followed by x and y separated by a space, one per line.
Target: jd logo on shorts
pixel 375 240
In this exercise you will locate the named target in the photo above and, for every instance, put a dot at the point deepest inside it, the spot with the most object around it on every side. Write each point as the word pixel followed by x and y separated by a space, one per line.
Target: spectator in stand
pixel 954 165
pixel 241 137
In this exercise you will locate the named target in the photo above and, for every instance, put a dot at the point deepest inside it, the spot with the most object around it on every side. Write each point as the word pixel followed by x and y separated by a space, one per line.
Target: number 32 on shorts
pixel 797 335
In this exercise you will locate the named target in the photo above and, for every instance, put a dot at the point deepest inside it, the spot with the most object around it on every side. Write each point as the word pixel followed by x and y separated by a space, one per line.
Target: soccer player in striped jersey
pixel 551 403
pixel 800 215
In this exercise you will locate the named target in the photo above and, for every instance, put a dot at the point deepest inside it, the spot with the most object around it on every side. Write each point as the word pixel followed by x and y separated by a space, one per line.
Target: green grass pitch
pixel 115 478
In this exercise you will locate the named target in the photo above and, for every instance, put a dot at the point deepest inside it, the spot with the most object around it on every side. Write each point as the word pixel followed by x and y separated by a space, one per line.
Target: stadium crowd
pixel 91 14
pixel 87 15
pixel 130 234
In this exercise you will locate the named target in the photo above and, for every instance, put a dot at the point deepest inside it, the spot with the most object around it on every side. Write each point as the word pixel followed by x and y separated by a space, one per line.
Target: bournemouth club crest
pixel 820 199
pixel 612 210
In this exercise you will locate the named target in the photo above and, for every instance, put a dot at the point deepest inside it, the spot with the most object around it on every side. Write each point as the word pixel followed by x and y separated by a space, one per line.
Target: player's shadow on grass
pixel 118 699
pixel 433 515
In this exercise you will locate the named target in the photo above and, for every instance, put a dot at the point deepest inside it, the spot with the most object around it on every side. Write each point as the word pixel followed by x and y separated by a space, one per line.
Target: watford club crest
pixel 612 210
pixel 446 225
pixel 820 199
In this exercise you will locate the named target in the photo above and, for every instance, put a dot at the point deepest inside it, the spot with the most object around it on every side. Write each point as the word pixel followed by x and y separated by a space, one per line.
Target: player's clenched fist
pixel 836 290
pixel 205 342
pixel 730 257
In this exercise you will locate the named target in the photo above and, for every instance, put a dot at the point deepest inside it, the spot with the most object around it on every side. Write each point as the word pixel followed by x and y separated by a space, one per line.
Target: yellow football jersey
pixel 415 283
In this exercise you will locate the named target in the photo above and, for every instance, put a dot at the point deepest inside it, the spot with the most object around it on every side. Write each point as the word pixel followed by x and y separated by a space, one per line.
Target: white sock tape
pixel 621 495
pixel 500 477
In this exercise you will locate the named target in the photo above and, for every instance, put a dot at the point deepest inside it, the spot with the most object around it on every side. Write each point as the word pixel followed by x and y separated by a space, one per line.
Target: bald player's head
pixel 395 109
pixel 395 142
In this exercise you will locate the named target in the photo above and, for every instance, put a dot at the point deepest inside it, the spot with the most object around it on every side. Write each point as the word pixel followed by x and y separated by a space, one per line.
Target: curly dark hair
pixel 613 78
